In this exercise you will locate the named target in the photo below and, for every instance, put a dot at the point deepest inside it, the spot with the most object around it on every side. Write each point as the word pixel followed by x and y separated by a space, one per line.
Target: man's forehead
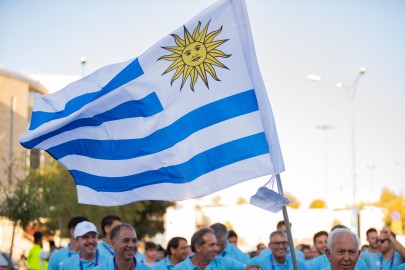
pixel 127 233
pixel 278 237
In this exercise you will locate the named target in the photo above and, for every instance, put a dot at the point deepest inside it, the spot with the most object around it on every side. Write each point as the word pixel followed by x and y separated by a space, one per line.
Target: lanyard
pixel 108 249
pixel 391 264
pixel 81 260
pixel 272 262
pixel 131 268
pixel 69 250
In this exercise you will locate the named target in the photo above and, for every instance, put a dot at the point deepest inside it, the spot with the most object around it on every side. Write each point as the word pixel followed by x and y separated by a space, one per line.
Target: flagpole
pixel 287 224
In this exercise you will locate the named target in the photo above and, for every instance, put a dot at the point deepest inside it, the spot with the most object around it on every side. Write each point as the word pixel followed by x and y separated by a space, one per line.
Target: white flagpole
pixel 287 224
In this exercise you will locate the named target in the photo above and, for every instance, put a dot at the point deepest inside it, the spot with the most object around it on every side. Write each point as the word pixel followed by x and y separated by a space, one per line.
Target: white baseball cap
pixel 84 227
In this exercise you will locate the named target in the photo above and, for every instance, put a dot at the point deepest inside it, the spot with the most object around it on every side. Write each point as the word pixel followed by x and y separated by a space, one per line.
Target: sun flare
pixel 195 55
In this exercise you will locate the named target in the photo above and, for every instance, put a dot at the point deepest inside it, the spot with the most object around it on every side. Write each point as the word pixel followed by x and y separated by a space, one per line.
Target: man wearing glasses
pixel 278 258
pixel 390 251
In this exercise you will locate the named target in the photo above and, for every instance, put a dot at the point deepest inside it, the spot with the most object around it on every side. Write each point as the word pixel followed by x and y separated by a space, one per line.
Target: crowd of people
pixel 214 247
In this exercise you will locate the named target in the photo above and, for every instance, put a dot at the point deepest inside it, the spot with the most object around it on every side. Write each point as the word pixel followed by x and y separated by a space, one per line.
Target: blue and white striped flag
pixel 187 118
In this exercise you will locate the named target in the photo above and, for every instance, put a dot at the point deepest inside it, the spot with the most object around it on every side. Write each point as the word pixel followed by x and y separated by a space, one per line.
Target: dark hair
pixel 371 230
pixel 108 220
pixel 281 223
pixel 232 233
pixel 174 243
pixel 150 246
pixel 76 220
pixel 198 237
pixel 320 233
pixel 115 232
pixel 37 236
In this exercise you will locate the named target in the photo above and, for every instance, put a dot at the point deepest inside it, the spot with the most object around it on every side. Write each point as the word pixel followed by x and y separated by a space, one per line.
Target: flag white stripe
pixel 216 180
pixel 226 131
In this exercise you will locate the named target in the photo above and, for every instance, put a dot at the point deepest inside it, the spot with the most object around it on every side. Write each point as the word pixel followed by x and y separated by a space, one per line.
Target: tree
pixel 317 203
pixel 22 205
pixel 295 202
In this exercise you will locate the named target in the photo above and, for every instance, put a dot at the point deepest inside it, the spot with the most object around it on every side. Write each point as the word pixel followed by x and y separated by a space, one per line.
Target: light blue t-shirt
pixel 105 249
pixel 164 264
pixel 219 263
pixel 401 267
pixel 59 256
pixel 321 262
pixel 374 261
pixel 267 263
pixel 230 251
pixel 75 263
pixel 109 265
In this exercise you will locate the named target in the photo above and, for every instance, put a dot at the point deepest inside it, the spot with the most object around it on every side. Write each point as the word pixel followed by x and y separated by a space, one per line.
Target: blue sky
pixel 293 38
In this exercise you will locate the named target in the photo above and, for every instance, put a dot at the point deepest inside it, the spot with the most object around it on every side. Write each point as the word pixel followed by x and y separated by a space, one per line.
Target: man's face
pixel 87 244
pixel 114 224
pixel 278 245
pixel 307 253
pixel 233 241
pixel 126 245
pixel 221 243
pixel 209 249
pixel 344 253
pixel 372 239
pixel 181 252
pixel 321 244
pixel 384 245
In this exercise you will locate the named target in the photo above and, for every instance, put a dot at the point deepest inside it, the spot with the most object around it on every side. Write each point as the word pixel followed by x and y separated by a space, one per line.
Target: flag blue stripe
pixel 129 73
pixel 203 117
pixel 144 107
pixel 205 162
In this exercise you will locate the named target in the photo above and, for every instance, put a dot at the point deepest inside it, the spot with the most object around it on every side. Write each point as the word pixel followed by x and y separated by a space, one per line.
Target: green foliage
pixel 60 198
pixel 24 205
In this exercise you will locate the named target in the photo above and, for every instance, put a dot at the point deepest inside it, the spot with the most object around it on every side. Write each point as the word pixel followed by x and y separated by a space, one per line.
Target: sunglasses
pixel 382 240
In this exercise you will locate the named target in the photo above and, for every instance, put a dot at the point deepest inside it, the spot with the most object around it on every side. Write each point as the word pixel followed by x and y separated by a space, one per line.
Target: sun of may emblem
pixel 195 55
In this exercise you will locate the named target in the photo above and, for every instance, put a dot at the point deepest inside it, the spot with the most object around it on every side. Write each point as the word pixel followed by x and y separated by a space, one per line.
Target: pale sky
pixel 293 38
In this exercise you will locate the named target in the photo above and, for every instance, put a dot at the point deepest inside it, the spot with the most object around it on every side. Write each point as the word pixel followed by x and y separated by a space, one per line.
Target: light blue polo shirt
pixel 267 263
pixel 219 263
pixel 164 264
pixel 109 265
pixel 230 251
pixel 59 256
pixel 374 261
pixel 105 249
pixel 75 263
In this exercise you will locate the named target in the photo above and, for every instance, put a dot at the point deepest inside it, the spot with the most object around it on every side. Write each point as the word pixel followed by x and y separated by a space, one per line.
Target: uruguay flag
pixel 187 118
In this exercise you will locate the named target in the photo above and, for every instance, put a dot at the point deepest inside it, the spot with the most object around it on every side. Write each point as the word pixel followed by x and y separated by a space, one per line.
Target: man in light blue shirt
pixel 205 249
pixel 108 222
pixel 342 249
pixel 88 256
pixel 57 258
pixel 177 250
pixel 225 249
pixel 125 244
pixel 277 259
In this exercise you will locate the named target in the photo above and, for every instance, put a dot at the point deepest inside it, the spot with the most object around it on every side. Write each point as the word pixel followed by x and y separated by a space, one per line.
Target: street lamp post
pixel 352 89
pixel 325 128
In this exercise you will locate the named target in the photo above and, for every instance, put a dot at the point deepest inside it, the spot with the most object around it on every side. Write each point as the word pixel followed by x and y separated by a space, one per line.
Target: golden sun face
pixel 195 55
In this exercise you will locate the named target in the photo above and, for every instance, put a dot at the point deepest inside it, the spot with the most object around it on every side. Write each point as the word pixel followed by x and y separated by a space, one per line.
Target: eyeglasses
pixel 283 243
pixel 382 240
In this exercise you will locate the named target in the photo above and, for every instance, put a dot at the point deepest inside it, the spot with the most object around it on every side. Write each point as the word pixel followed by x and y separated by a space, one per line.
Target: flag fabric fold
pixel 187 118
